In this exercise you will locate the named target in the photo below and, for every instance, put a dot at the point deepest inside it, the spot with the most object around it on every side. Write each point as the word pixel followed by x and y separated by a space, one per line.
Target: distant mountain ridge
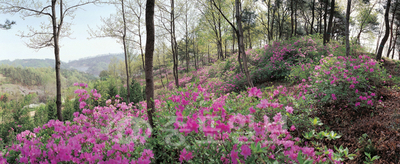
pixel 92 65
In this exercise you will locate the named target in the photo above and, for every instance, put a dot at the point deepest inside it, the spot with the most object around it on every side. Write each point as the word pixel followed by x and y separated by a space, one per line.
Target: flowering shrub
pixel 200 122
pixel 352 80
pixel 107 134
pixel 229 129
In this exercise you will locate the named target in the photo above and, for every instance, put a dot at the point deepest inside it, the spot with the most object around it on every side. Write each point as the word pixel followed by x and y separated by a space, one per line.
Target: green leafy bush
pixel 51 108
pixel 136 92
pixel 347 79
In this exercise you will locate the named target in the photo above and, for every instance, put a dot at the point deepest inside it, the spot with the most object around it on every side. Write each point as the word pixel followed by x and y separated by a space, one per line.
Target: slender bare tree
pixel 347 28
pixel 386 36
pixel 50 34
pixel 150 36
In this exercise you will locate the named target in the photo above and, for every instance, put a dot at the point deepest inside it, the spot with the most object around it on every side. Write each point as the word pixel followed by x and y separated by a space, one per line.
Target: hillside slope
pixel 92 65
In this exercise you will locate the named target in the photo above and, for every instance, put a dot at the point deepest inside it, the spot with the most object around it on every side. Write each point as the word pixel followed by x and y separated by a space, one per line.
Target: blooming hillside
pixel 214 118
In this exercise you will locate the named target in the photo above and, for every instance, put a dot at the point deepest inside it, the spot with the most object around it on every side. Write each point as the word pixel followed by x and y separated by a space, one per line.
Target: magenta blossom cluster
pixel 99 135
pixel 347 79
pixel 216 122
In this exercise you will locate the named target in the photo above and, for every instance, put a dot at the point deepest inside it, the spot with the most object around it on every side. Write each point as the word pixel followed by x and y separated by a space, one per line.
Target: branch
pixel 16 9
pixel 78 5
pixel 223 15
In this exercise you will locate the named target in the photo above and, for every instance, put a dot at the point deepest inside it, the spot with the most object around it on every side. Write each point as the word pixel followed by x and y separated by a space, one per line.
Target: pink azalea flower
pixel 292 128
pixel 255 92
pixel 252 110
pixel 333 96
pixel 289 109
pixel 82 105
pixel 246 151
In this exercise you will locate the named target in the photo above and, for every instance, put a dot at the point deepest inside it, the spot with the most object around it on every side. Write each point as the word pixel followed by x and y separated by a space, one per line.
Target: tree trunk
pixel 126 55
pixel 312 19
pixel 251 47
pixel 173 45
pixel 186 45
pixel 291 18
pixel 208 53
pixel 272 24
pixel 194 55
pixel 328 37
pixel 347 28
pixel 166 73
pixel 394 44
pixel 362 24
pixel 225 48
pixel 149 61
pixel 160 70
pixel 233 33
pixel 391 30
pixel 325 24
pixel 379 37
pixel 56 32
pixel 141 49
pixel 320 18
pixel 385 37
pixel 220 35
pixel 295 20
pixel 241 45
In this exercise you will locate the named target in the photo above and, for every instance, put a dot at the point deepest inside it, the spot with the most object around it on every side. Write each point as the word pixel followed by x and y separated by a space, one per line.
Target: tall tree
pixel 386 36
pixel 366 18
pixel 126 55
pixel 50 35
pixel 325 24
pixel 116 27
pixel 240 38
pixel 239 33
pixel 150 36
pixel 329 32
pixel 174 45
pixel 347 28
pixel 136 8
pixel 394 10
pixel 186 35
pixel 313 16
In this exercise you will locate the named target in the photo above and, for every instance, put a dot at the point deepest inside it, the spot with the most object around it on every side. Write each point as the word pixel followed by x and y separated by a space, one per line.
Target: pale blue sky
pixel 13 47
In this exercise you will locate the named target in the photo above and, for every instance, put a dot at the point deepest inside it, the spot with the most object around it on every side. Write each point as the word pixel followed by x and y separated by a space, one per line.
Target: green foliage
pixel 41 76
pixel 15 118
pixel 51 108
pixel 4 98
pixel 136 92
pixel 104 75
pixel 366 145
pixel 123 92
pixel 41 116
pixel 68 110
pixel 112 89
pixel 340 154
pixel 352 80
pixel 369 159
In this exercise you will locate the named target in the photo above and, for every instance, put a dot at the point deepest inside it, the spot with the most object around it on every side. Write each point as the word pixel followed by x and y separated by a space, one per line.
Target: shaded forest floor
pixel 381 124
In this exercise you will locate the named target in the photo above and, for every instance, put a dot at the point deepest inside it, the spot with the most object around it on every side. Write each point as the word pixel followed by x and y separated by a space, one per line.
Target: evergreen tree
pixel 136 92
pixel 112 89
pixel 123 93
pixel 51 109
pixel 68 110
